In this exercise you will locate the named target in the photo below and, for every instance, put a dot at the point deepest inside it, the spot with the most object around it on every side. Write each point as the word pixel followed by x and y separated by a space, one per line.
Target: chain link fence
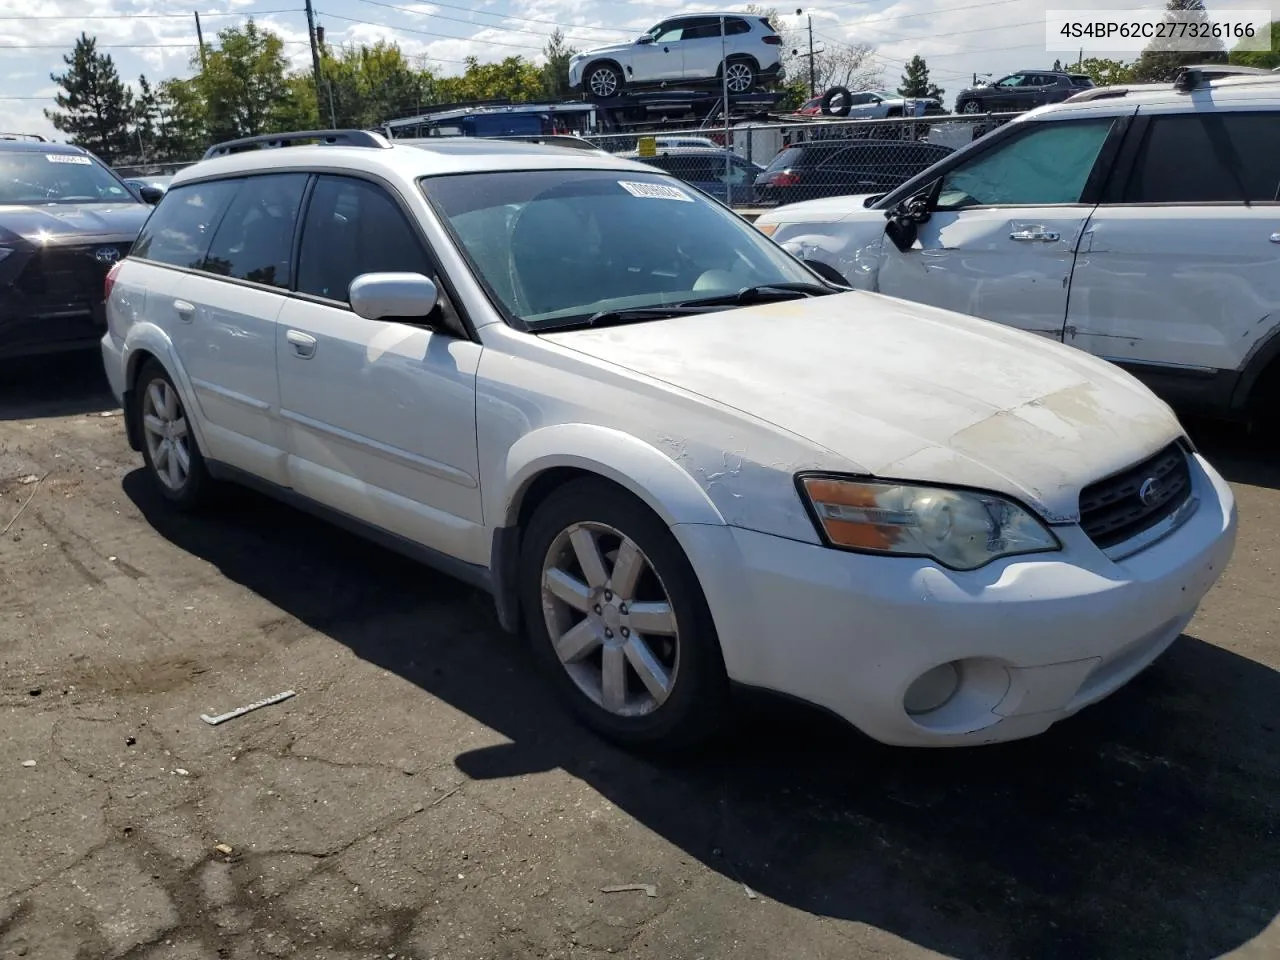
pixel 771 164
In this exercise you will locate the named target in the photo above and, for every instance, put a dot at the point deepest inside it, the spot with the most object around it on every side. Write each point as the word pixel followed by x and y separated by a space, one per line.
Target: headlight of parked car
pixel 961 529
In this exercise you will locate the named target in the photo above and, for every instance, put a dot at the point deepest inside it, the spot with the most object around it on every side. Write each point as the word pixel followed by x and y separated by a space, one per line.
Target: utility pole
pixel 200 40
pixel 813 68
pixel 728 149
pixel 315 48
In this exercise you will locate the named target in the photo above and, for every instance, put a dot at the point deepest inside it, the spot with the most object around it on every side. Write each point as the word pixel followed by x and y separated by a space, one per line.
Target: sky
pixel 957 38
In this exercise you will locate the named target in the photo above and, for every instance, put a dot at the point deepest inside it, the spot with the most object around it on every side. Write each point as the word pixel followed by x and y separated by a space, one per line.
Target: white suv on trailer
pixel 679 455
pixel 1139 224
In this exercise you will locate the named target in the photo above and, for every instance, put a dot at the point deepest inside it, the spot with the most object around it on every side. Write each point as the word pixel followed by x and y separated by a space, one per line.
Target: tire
pixel 594 518
pixel 602 80
pixel 157 405
pixel 846 102
pixel 968 106
pixel 740 76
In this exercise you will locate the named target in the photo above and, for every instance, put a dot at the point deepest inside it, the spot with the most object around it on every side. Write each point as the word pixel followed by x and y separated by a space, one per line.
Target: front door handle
pixel 186 311
pixel 1035 234
pixel 1275 238
pixel 304 344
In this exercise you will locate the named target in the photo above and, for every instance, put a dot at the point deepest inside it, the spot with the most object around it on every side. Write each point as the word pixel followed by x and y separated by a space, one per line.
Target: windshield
pixel 558 245
pixel 30 177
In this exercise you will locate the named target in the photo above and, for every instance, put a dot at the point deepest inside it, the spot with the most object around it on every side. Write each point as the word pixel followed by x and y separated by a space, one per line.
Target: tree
pixel 244 83
pixel 514 78
pixel 95 107
pixel 181 121
pixel 368 85
pixel 1265 59
pixel 555 72
pixel 1159 64
pixel 1106 73
pixel 146 113
pixel 916 83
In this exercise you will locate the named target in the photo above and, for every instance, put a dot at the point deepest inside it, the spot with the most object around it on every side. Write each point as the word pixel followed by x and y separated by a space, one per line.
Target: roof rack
pixel 552 140
pixel 332 138
pixel 1193 76
pixel 35 137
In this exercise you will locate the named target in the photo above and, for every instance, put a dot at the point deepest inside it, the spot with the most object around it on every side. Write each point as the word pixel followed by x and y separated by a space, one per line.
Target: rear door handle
pixel 1035 234
pixel 304 344
pixel 1275 238
pixel 186 311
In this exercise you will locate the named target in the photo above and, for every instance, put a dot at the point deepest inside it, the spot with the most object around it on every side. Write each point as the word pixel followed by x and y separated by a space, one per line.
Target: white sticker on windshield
pixel 68 158
pixel 654 191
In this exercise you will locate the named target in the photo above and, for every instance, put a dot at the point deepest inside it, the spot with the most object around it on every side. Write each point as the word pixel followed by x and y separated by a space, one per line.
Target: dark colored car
pixel 1024 90
pixel 705 169
pixel 834 168
pixel 65 220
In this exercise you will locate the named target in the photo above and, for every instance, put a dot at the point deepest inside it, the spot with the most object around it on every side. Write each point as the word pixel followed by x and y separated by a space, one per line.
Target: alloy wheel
pixel 164 426
pixel 738 77
pixel 611 620
pixel 604 82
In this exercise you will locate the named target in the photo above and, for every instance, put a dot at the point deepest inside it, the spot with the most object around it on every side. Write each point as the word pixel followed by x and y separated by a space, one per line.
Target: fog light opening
pixel 932 690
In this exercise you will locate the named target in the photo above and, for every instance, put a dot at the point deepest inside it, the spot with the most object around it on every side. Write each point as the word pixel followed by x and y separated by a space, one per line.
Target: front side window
pixel 32 178
pixel 562 245
pixel 1208 158
pixel 669 31
pixel 180 228
pixel 1014 81
pixel 254 241
pixel 1049 164
pixel 353 227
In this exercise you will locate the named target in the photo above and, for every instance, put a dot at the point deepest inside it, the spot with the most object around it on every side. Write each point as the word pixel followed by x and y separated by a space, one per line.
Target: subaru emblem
pixel 106 254
pixel 1149 490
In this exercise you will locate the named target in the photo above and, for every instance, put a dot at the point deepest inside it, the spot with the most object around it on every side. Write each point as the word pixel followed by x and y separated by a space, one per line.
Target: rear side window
pixel 353 227
pixel 733 25
pixel 179 230
pixel 254 241
pixel 1208 158
pixel 1048 165
pixel 1081 81
pixel 785 159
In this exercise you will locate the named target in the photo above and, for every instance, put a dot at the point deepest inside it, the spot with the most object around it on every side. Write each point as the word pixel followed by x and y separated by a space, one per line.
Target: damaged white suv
pixel 680 457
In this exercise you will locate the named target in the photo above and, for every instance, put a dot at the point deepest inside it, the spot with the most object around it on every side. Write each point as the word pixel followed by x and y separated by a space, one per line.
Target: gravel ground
pixel 422 796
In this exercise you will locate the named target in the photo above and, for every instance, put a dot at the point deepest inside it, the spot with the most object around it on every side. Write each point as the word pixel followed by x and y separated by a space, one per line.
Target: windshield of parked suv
pixel 30 177
pixel 564 244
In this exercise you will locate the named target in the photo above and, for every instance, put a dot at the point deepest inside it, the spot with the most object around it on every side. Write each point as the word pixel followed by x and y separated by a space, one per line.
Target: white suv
pixel 682 50
pixel 681 456
pixel 1140 225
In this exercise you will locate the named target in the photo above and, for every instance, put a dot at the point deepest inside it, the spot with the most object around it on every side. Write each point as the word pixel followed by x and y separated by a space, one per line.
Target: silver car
pixel 688 49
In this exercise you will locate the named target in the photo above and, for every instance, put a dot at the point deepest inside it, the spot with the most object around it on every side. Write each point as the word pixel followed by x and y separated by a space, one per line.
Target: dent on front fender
pixel 856 257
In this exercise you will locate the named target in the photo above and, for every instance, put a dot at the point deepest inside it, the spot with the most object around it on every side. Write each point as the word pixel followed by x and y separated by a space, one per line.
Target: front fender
pixel 651 475
pixel 854 250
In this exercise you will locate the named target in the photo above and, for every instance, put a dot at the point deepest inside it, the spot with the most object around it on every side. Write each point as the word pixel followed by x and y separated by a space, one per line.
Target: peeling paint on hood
pixel 908 391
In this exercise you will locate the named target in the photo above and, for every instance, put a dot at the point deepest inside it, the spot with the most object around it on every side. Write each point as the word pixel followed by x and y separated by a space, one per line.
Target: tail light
pixel 773 40
pixel 783 179
pixel 111 280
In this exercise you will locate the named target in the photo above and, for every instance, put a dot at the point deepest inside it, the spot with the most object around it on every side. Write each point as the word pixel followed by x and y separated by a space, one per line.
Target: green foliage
pixel 1265 59
pixel 1159 64
pixel 555 72
pixel 916 82
pixel 1105 73
pixel 244 83
pixel 94 106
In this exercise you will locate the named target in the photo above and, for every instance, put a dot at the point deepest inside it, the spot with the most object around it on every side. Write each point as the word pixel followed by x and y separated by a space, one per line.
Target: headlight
pixel 961 529
pixel 768 229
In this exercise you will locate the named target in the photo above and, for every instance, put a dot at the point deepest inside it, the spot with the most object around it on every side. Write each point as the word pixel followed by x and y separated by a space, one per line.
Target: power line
pixel 152 16
pixel 116 46
pixel 494 26
pixel 429 33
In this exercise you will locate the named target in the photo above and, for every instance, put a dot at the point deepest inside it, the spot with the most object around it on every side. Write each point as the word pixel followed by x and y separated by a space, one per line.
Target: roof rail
pixel 339 138
pixel 552 140
pixel 1097 93
pixel 23 136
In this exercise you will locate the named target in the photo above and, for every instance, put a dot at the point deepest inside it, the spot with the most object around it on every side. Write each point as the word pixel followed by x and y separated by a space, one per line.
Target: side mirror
pixel 150 194
pixel 645 39
pixel 378 296
pixel 905 219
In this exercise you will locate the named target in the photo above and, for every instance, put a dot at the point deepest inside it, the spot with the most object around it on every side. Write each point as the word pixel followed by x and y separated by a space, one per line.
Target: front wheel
pixel 603 81
pixel 618 621
pixel 970 106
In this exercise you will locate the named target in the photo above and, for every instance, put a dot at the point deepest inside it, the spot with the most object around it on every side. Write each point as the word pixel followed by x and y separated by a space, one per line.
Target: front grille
pixel 1130 502
pixel 65 275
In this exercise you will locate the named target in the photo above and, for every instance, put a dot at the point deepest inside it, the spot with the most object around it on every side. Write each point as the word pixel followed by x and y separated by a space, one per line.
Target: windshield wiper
pixel 632 315
pixel 766 291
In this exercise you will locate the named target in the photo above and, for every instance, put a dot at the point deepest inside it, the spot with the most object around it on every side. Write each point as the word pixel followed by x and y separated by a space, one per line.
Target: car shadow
pixel 54 385
pixel 1143 827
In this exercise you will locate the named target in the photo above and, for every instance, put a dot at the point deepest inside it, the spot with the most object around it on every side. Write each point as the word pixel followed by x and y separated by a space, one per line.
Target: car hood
pixel 824 210
pixel 905 391
pixel 60 222
pixel 608 48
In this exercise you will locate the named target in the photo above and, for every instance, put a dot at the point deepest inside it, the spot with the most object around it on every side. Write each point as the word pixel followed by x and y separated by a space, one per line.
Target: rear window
pixel 785 159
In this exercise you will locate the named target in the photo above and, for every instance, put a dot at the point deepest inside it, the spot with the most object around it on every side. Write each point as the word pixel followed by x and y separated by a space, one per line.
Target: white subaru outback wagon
pixel 671 450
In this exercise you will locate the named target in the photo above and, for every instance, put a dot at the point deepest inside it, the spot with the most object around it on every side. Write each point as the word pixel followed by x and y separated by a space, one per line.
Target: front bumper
pixel 1035 638
pixel 30 330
